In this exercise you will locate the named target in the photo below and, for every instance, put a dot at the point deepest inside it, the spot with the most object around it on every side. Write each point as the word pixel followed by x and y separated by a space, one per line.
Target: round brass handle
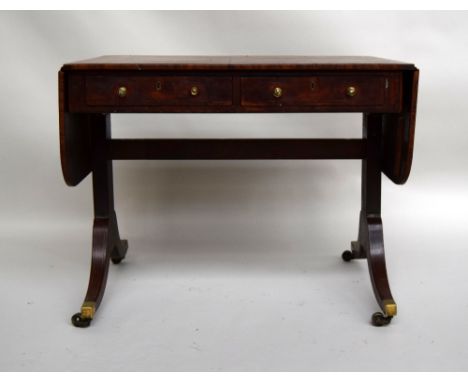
pixel 351 91
pixel 194 90
pixel 122 91
pixel 277 92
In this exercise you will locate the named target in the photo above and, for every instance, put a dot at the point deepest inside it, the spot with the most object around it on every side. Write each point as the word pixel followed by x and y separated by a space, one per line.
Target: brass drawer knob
pixel 351 91
pixel 122 91
pixel 277 92
pixel 194 90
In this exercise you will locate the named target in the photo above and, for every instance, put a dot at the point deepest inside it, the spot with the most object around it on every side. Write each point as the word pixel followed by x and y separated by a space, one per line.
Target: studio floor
pixel 242 288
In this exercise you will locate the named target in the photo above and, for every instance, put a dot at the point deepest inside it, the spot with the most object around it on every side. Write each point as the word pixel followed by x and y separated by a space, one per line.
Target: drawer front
pixel 158 90
pixel 322 90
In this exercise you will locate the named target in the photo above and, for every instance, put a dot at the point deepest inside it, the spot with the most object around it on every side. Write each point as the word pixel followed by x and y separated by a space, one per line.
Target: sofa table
pixel 384 91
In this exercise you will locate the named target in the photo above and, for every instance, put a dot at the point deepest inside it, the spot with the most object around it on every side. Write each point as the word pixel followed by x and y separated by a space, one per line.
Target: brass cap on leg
pixel 390 308
pixel 87 310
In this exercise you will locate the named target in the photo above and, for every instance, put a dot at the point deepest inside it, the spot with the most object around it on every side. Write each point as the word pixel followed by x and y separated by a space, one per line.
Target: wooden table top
pixel 238 63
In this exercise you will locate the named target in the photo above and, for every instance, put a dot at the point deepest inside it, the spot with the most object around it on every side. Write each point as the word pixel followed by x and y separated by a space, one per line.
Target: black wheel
pixel 116 261
pixel 80 322
pixel 378 319
pixel 347 256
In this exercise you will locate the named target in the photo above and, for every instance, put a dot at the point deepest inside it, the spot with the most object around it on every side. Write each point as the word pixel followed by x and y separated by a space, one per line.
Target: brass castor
pixel 80 322
pixel 379 319
pixel 347 256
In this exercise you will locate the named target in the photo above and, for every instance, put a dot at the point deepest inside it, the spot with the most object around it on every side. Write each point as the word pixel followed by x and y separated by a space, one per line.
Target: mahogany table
pixel 384 91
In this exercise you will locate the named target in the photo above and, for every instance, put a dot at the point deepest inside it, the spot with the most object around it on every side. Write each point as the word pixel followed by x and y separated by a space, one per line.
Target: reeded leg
pixel 370 243
pixel 107 244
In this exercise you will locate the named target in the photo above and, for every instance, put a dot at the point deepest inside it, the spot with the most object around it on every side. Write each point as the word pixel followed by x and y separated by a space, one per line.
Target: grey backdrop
pixel 232 265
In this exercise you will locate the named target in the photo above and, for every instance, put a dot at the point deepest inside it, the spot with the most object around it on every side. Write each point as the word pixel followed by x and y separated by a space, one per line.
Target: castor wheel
pixel 379 319
pixel 347 256
pixel 79 321
pixel 116 261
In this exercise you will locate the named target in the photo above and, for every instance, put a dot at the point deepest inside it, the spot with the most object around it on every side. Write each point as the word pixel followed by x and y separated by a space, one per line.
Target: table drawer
pixel 322 90
pixel 158 90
